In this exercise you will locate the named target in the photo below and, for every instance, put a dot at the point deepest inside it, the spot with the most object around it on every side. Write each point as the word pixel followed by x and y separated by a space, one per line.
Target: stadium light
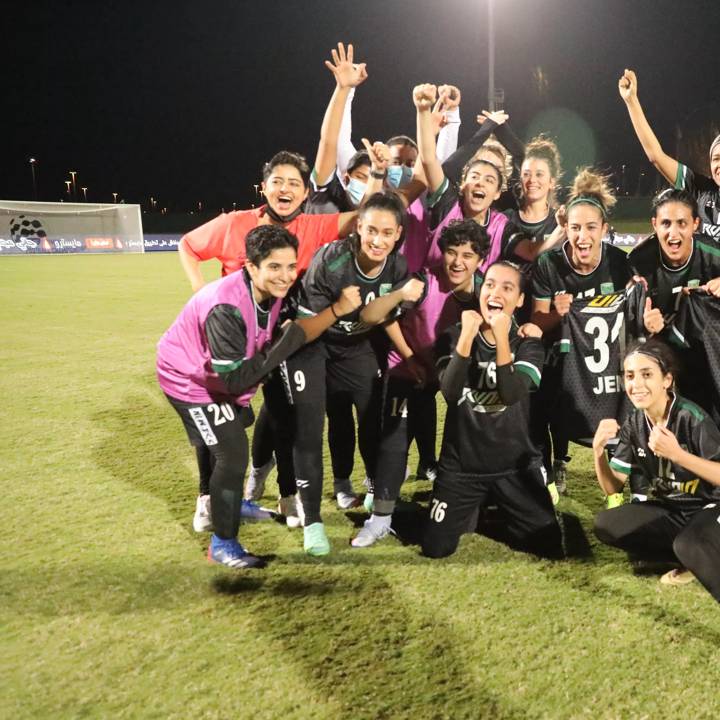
pixel 32 162
pixel 73 173
pixel 115 197
pixel 67 185
pixel 84 193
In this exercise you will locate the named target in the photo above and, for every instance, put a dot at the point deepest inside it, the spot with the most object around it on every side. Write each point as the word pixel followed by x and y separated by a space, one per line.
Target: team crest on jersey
pixel 693 283
pixel 482 401
pixel 385 288
pixel 607 288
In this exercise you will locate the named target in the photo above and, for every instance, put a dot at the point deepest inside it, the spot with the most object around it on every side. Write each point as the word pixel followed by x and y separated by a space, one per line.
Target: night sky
pixel 184 101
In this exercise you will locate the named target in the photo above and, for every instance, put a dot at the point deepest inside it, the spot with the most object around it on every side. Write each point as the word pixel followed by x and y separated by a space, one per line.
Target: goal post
pixel 40 228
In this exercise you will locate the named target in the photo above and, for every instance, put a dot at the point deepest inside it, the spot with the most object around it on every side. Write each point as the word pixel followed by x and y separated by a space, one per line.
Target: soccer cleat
pixel 255 484
pixel 345 495
pixel 202 521
pixel 559 475
pixel 426 472
pixel 374 529
pixel 232 554
pixel 677 577
pixel 252 512
pixel 290 508
pixel 315 541
pixel 369 502
pixel 554 494
pixel 614 500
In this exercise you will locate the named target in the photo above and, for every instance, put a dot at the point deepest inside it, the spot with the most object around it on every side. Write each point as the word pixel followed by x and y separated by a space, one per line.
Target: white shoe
pixel 291 508
pixel 202 521
pixel 255 484
pixel 345 495
pixel 374 529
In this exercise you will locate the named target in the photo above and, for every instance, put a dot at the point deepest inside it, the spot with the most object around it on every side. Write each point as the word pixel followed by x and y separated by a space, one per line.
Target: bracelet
pixel 378 175
pixel 332 310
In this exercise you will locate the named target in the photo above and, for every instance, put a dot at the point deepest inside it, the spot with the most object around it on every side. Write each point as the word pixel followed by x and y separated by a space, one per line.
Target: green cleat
pixel 369 502
pixel 554 494
pixel 315 541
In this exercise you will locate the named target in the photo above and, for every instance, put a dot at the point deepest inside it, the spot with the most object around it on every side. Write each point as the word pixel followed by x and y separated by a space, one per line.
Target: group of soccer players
pixel 410 267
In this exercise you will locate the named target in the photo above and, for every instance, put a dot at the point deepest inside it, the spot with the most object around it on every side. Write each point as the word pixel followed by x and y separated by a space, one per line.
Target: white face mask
pixel 356 191
pixel 399 176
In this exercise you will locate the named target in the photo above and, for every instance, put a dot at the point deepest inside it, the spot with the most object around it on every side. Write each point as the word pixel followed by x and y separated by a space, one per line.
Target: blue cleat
pixel 252 512
pixel 232 554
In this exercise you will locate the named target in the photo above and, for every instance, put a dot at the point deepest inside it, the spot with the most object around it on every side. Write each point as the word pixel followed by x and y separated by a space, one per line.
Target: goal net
pixel 28 228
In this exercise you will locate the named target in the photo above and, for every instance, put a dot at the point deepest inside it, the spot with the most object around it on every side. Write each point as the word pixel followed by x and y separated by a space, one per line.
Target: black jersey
pixel 592 347
pixel 554 275
pixel 482 435
pixel 333 268
pixel 696 329
pixel 666 283
pixel 707 193
pixel 670 482
pixel 536 231
pixel 329 198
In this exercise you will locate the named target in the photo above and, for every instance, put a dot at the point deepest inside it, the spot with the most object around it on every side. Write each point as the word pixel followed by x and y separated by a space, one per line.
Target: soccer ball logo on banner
pixel 27 233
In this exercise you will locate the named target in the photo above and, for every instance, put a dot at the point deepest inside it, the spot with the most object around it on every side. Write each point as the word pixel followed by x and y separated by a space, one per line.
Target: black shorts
pixel 212 423
pixel 322 369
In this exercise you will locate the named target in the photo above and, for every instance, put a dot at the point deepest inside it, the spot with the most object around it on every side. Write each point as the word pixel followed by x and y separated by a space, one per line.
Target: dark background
pixel 183 101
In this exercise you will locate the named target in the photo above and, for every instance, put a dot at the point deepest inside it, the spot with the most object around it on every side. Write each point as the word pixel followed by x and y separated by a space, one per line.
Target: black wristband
pixel 378 175
pixel 332 310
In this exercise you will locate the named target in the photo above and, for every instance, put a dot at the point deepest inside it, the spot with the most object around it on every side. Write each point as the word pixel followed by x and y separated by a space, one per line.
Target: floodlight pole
pixel 491 56
pixel 34 178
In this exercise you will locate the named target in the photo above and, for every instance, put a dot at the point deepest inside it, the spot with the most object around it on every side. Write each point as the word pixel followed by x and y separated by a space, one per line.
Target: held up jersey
pixel 333 268
pixel 707 194
pixel 670 482
pixel 482 435
pixel 592 347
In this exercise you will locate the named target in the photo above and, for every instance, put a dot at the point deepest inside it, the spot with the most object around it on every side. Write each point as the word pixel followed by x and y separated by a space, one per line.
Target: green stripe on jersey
pixel 434 197
pixel 709 249
pixel 225 366
pixel 564 345
pixel 339 261
pixel 677 338
pixel 529 369
pixel 680 177
pixel 620 466
pixel 692 408
pixel 303 312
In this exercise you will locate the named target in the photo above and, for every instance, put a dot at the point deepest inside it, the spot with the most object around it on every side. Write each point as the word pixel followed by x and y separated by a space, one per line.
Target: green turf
pixel 108 608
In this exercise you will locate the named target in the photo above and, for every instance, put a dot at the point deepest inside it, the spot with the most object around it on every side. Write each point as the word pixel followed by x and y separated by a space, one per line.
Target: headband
pixel 715 142
pixel 590 201
pixel 653 356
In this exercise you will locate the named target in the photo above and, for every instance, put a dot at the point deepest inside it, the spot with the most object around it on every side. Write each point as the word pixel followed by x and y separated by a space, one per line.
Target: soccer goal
pixel 28 228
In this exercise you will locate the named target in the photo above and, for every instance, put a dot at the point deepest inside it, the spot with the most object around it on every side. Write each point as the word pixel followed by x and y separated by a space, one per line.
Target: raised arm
pixel 347 75
pixel 424 97
pixel 667 166
pixel 610 481
pixel 379 310
pixel 664 444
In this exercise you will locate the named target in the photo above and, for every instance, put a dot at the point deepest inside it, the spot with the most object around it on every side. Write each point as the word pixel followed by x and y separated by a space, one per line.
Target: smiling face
pixel 645 383
pixel 715 163
pixel 674 225
pixel 480 188
pixel 500 291
pixel 585 230
pixel 275 274
pixel 284 189
pixel 379 231
pixel 536 180
pixel 460 263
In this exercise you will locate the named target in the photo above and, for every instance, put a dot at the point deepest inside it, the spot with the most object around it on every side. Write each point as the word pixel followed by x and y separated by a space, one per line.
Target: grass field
pixel 110 610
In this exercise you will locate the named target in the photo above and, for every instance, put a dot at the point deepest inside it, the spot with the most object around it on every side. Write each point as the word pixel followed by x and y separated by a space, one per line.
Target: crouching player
pixel 486 373
pixel 212 358
pixel 676 446
pixel 411 382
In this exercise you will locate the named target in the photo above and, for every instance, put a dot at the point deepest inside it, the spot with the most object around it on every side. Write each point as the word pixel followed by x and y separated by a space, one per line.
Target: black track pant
pixel 406 414
pixel 653 530
pixel 219 428
pixel 521 496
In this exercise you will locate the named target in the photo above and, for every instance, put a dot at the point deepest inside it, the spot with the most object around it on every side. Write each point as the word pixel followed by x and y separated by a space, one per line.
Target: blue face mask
pixel 399 176
pixel 356 191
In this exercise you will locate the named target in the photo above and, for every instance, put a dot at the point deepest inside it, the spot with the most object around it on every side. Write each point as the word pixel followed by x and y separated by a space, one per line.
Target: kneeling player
pixel 216 352
pixel 676 446
pixel 411 382
pixel 486 373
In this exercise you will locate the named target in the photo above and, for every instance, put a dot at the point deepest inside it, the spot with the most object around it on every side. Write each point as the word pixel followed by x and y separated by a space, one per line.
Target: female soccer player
pixel 480 186
pixel 411 382
pixel 676 446
pixel 212 358
pixel 584 266
pixel 344 365
pixel 486 373
pixel 705 190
